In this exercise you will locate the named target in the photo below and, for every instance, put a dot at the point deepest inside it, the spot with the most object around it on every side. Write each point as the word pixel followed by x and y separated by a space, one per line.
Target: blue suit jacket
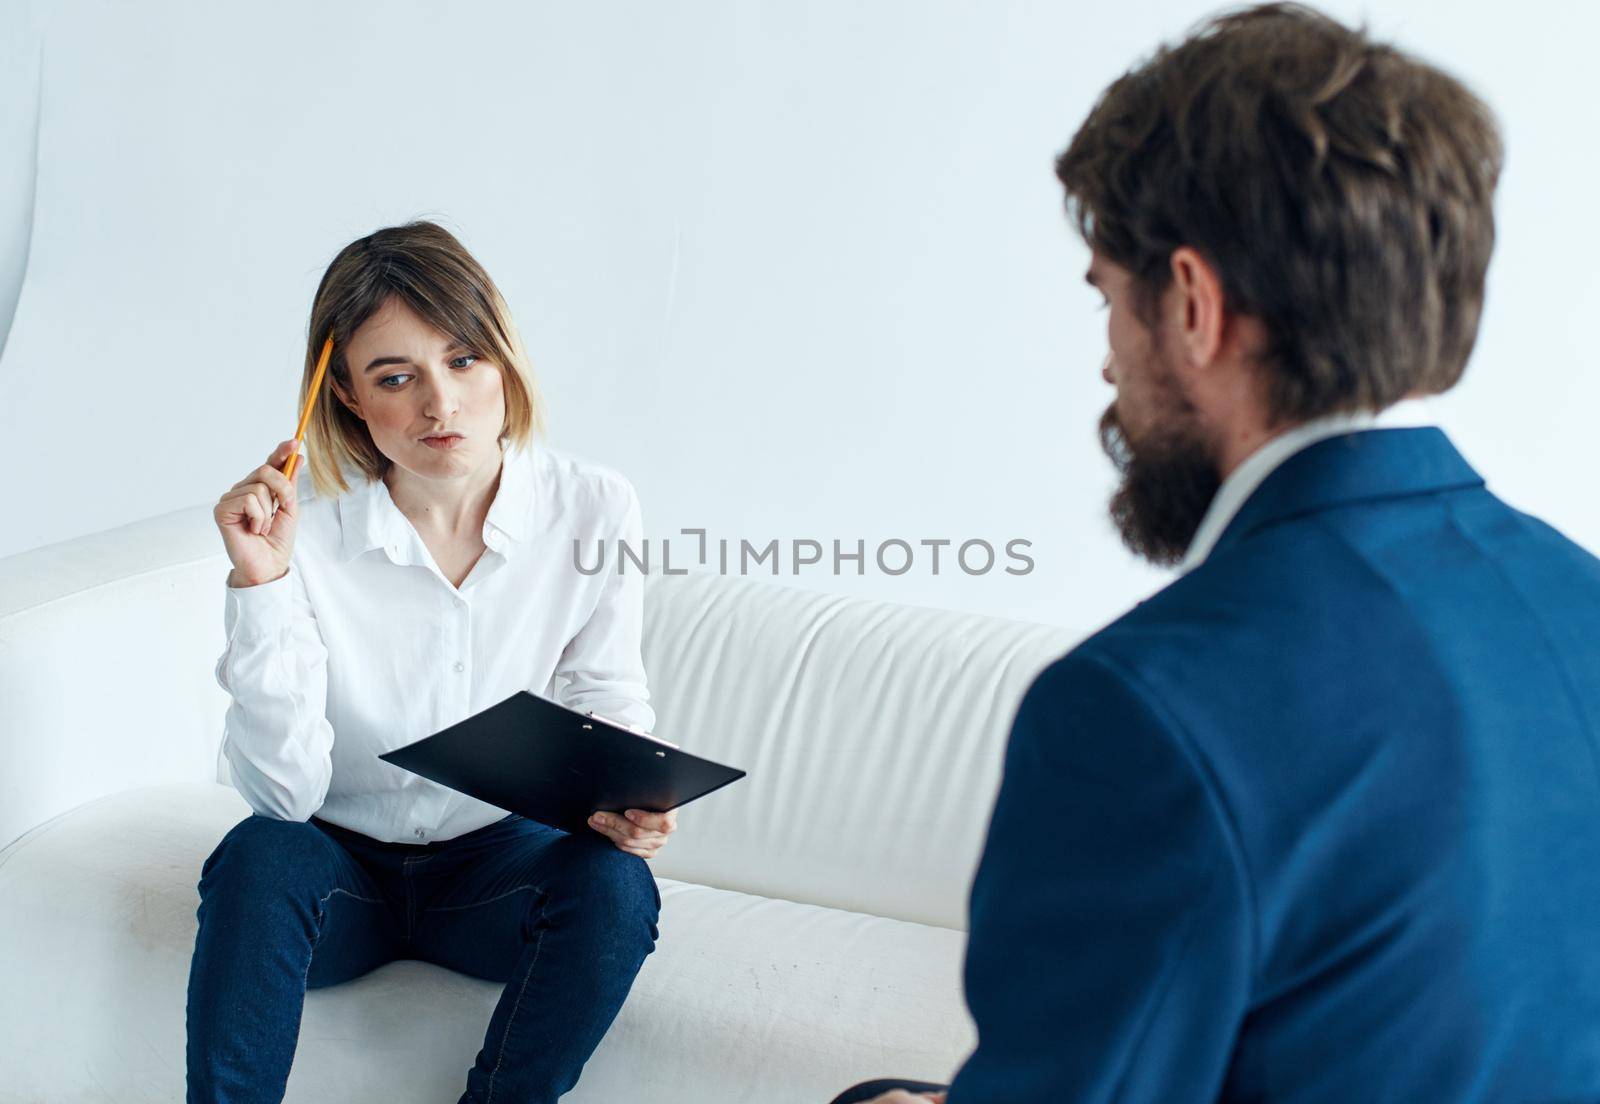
pixel 1320 821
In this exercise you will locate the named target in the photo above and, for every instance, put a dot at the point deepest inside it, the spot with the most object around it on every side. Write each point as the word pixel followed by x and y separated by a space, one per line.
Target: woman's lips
pixel 445 443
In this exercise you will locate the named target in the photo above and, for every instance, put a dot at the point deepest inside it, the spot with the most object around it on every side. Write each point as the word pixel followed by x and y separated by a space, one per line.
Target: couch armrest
pixel 108 644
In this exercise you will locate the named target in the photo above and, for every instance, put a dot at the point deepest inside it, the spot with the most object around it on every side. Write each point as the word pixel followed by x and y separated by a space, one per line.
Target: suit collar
pixel 368 517
pixel 1363 466
pixel 1248 475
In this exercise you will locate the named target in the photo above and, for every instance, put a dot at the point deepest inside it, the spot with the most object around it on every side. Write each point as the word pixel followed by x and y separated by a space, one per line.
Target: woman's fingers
pixel 619 828
pixel 240 506
pixel 247 510
pixel 647 850
pixel 256 505
pixel 280 455
pixel 276 480
pixel 637 824
pixel 654 822
pixel 251 506
pixel 273 496
pixel 632 838
pixel 271 472
pixel 269 479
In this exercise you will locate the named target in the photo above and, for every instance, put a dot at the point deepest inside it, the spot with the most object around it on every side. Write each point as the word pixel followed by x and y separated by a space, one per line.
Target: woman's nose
pixel 440 400
pixel 1105 370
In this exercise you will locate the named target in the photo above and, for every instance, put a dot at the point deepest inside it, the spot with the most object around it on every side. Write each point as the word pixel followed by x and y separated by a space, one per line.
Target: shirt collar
pixel 368 517
pixel 1244 479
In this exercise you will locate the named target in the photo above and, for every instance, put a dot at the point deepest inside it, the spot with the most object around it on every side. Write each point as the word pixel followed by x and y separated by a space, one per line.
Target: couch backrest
pixel 872 732
pixel 107 649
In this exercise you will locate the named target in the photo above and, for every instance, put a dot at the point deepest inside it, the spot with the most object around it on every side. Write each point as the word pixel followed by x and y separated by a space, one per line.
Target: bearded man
pixel 1319 821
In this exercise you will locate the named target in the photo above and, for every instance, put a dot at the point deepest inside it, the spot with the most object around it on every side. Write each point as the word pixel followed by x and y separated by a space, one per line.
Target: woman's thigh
pixel 359 934
pixel 272 874
pixel 483 905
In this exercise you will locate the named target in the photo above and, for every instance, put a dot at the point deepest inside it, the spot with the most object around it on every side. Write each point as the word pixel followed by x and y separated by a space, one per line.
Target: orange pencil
pixel 311 401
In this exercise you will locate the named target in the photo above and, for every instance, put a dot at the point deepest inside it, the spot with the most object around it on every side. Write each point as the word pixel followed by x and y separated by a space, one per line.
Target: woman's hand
pixel 258 541
pixel 636 831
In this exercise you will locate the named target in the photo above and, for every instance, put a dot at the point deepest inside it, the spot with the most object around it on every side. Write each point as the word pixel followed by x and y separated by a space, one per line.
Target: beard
pixel 1168 481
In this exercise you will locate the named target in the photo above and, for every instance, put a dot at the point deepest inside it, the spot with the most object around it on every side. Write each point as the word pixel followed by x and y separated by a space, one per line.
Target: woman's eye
pixel 387 381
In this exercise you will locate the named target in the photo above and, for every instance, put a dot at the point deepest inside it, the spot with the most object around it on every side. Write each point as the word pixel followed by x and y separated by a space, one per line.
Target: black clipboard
pixel 555 765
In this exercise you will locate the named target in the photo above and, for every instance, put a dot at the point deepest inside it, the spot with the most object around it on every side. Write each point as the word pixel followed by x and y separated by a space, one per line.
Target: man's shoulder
pixel 1256 616
pixel 1356 605
pixel 1178 622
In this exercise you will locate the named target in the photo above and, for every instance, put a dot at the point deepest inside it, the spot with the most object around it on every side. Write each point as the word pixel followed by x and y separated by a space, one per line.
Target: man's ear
pixel 349 400
pixel 1200 306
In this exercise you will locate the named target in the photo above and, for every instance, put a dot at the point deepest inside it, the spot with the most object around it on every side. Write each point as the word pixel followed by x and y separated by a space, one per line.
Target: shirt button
pixel 420 833
pixel 459 667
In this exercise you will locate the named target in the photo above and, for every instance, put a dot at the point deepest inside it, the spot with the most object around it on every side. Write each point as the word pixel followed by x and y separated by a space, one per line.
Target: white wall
pixel 798 270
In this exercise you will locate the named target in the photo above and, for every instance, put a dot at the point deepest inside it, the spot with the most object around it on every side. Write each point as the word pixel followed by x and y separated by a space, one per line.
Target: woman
pixel 369 616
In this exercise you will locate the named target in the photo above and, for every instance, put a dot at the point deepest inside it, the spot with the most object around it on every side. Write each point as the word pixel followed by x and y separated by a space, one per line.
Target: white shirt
pixel 365 646
pixel 1254 469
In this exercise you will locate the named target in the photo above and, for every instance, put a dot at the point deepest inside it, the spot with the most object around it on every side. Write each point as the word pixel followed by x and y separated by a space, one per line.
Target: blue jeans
pixel 565 921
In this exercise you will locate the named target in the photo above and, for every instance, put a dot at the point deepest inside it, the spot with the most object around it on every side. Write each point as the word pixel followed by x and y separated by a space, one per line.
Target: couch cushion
pixel 745 998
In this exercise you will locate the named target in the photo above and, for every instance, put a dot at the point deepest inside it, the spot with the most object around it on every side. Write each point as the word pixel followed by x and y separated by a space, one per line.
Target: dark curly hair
pixel 1342 190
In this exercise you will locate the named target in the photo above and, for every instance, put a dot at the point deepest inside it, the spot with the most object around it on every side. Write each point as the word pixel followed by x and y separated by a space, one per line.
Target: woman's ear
pixel 345 397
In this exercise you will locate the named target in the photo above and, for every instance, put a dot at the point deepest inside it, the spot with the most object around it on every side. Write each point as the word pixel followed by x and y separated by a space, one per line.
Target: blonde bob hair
pixel 423 265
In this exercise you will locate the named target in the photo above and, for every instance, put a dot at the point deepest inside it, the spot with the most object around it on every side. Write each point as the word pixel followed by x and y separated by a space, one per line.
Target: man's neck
pixel 1241 441
pixel 1245 436
pixel 1244 472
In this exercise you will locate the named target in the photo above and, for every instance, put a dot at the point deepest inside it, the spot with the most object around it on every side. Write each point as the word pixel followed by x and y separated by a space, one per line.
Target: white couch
pixel 811 932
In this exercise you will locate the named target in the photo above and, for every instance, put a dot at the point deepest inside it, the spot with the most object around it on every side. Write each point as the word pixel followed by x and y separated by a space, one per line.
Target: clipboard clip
pixel 630 728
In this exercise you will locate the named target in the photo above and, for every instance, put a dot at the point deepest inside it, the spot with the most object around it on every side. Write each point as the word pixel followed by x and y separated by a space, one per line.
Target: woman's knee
pixel 612 881
pixel 263 854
